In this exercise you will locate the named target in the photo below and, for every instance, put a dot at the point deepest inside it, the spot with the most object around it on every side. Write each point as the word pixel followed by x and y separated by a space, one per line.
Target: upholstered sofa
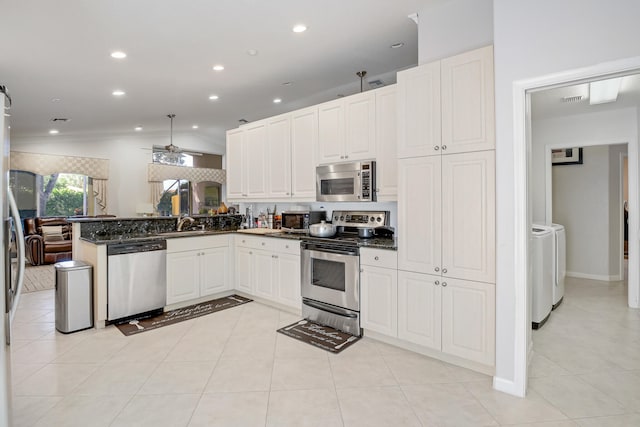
pixel 47 240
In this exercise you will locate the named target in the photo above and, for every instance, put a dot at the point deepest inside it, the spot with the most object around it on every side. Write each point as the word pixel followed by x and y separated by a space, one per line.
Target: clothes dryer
pixel 542 243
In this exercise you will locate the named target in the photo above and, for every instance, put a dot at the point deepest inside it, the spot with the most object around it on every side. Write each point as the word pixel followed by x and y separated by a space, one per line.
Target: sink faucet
pixel 182 221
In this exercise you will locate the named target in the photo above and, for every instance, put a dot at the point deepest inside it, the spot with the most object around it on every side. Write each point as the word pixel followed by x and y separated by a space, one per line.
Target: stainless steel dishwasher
pixel 137 278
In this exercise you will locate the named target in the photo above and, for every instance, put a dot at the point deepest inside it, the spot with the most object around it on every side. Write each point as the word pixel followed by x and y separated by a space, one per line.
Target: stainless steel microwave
pixel 299 221
pixel 346 182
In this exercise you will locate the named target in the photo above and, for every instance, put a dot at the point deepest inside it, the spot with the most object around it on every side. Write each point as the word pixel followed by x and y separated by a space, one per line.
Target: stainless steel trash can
pixel 74 296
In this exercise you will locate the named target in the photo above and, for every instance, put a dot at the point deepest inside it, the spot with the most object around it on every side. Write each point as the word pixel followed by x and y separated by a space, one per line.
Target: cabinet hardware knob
pixel 287 193
pixel 436 147
pixel 444 271
pixel 437 282
pixel 444 284
pixel 362 270
pixel 437 269
pixel 286 246
pixel 376 258
pixel 444 147
pixel 262 243
pixel 342 157
pixel 346 157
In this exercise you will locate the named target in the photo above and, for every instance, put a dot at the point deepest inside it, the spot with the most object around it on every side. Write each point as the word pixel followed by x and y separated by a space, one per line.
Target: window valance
pixel 47 164
pixel 158 173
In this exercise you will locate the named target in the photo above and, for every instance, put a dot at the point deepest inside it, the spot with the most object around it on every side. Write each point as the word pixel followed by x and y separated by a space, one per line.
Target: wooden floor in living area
pixel 39 278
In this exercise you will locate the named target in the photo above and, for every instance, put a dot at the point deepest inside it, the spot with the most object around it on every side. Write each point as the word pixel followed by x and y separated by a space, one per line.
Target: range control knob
pixel 379 219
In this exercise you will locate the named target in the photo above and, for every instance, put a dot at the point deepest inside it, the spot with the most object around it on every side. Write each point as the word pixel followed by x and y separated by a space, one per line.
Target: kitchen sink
pixel 259 231
pixel 185 233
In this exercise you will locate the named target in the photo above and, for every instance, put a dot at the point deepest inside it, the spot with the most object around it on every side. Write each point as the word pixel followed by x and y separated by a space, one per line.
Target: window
pixel 58 194
pixel 176 198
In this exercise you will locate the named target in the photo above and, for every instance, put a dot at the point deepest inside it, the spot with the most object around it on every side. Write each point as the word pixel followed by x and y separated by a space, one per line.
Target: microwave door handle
pixel 15 214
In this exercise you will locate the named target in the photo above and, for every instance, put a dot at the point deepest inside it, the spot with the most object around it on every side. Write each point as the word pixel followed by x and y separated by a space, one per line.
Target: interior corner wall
pixel 533 39
pixel 453 27
pixel 581 204
pixel 128 157
pixel 575 130
pixel 616 211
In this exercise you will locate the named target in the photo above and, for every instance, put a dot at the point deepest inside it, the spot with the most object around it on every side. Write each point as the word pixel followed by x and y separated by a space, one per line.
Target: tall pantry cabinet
pixel 446 206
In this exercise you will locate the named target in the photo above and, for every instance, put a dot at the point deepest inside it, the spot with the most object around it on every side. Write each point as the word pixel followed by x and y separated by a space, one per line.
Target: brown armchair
pixel 47 240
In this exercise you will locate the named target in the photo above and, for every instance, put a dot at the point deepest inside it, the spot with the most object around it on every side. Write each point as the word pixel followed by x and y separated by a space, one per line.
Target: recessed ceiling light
pixel 55 99
pixel 54 131
pixel 218 67
pixel 396 45
pixel 118 92
pixel 138 128
pixel 300 28
pixel 287 84
pixel 252 52
pixel 213 97
pixel 277 101
pixel 118 54
pixel 194 127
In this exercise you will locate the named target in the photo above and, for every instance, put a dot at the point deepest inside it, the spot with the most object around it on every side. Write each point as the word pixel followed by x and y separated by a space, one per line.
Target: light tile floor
pixel 231 368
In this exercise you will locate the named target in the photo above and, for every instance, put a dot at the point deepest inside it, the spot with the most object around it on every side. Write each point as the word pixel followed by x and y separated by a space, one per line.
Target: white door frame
pixel 522 222
pixel 633 174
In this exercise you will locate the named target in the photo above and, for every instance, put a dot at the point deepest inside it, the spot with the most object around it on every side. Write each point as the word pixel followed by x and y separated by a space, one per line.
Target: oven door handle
pixel 329 308
pixel 318 251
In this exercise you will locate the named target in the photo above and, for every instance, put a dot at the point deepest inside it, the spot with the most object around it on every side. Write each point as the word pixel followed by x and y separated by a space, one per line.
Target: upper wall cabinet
pixel 346 129
pixel 447 106
pixel 235 169
pixel 304 140
pixel 246 162
pixel 386 146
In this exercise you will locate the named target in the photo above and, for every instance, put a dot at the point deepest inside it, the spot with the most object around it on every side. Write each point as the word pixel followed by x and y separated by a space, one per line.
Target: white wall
pixel 531 39
pixel 576 130
pixel 581 204
pixel 128 157
pixel 453 27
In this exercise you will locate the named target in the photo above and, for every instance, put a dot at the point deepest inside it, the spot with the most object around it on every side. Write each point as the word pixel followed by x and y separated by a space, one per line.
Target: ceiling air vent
pixel 577 98
pixel 376 84
pixel 60 119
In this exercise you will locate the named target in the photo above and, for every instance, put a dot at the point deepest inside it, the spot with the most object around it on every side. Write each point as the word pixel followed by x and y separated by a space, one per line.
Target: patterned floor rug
pixel 149 322
pixel 324 337
pixel 39 278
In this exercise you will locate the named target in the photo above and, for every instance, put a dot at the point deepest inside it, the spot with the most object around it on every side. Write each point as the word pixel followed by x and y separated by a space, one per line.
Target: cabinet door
pixel 360 129
pixel 244 270
pixel 386 144
pixel 419 309
pixel 255 138
pixel 419 215
pixel 279 156
pixel 287 282
pixel 183 276
pixel 468 117
pixel 304 139
pixel 235 169
pixel 331 132
pixel 263 274
pixel 468 320
pixel 419 111
pixel 468 216
pixel 379 293
pixel 214 275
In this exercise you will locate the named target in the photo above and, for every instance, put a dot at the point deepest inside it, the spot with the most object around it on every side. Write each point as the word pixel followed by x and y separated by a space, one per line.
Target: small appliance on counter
pixel 299 221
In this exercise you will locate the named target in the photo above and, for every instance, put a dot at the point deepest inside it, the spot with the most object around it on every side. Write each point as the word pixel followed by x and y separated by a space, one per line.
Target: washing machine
pixel 560 263
pixel 542 243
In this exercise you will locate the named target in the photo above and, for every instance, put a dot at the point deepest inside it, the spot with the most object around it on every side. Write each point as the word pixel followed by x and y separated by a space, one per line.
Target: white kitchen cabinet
pixel 346 129
pixel 279 156
pixel 304 140
pixel 446 215
pixel 419 111
pixel 196 267
pixel 419 309
pixel 468 320
pixel 467 100
pixel 454 316
pixel 183 276
pixel 234 164
pixel 447 106
pixel 269 268
pixel 386 144
pixel 379 291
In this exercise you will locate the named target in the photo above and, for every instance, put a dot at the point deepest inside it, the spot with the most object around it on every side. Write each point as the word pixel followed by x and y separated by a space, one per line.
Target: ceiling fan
pixel 173 149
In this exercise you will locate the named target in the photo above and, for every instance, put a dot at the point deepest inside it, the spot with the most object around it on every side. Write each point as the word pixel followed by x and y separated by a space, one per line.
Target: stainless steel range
pixel 330 270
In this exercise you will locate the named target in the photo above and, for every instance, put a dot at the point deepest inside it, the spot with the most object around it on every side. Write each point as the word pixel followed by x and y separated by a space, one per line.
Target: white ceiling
pixel 549 103
pixel 61 50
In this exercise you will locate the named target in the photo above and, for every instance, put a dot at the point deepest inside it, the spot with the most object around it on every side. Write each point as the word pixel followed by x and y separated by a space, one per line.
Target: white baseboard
pixel 506 386
pixel 602 278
